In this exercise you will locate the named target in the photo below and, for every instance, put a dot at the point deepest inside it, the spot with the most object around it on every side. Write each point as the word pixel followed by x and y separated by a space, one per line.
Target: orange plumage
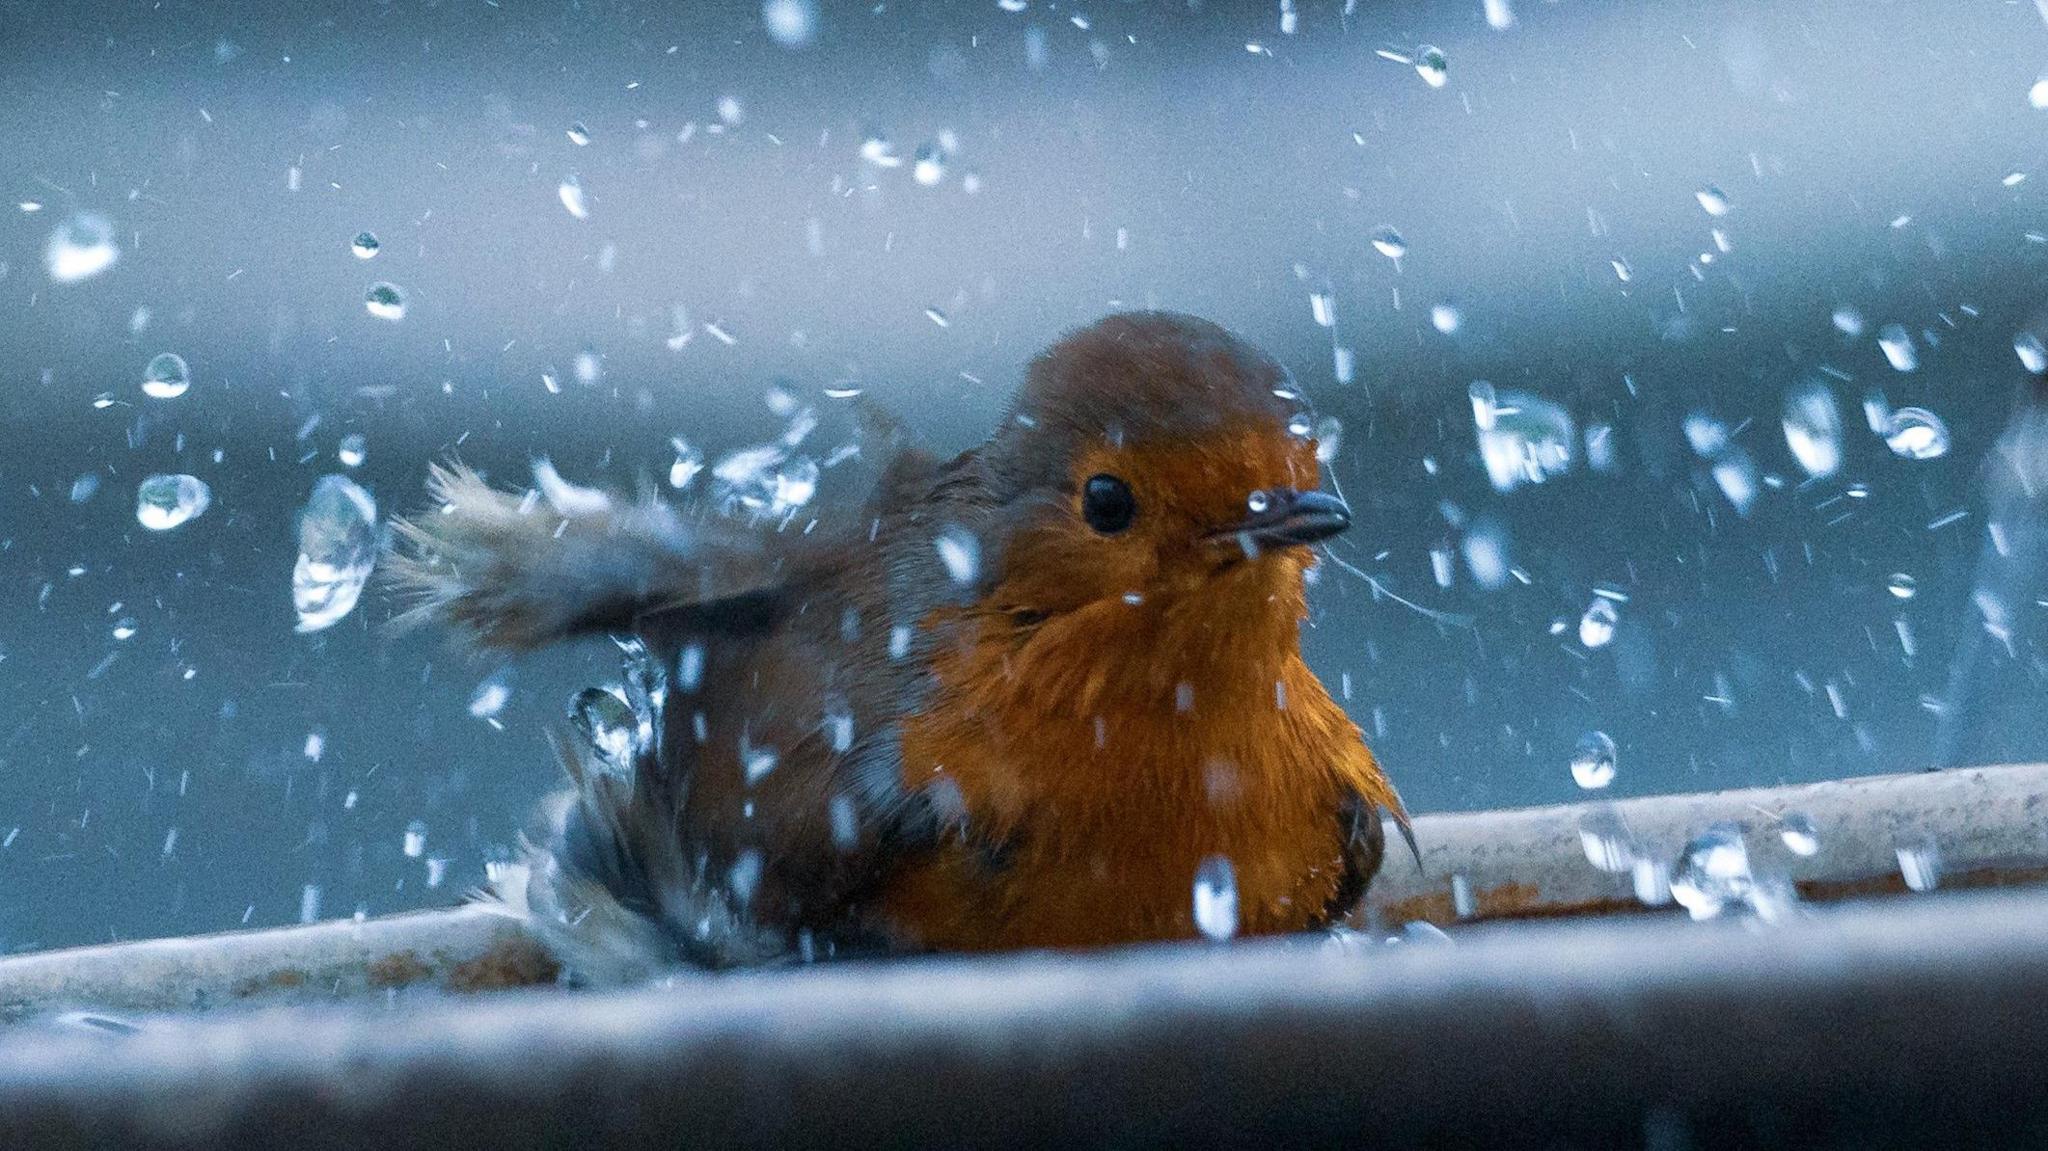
pixel 1042 749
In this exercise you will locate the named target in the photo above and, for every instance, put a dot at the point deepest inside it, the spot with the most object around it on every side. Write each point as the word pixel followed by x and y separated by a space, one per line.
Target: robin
pixel 1048 693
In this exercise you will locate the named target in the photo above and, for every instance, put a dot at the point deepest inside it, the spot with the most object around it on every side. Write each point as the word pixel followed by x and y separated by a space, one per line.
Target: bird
pixel 1046 694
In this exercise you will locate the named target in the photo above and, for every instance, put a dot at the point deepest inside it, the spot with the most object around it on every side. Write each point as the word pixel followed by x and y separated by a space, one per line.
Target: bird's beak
pixel 1290 518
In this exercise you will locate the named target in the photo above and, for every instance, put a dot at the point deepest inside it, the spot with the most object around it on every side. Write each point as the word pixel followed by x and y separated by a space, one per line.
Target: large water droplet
pixel 364 246
pixel 1593 759
pixel 1848 321
pixel 163 502
pixel 2033 356
pixel 1216 898
pixel 602 716
pixel 960 552
pixel 1596 626
pixel 385 300
pixel 1797 832
pixel 1329 435
pixel 415 844
pixel 1431 65
pixel 81 247
pixel 1523 438
pixel 352 450
pixel 1916 434
pixel 571 193
pixel 929 167
pixel 167 377
pixel 689 461
pixel 337 550
pixel 790 23
pixel 1713 874
pixel 1714 200
pixel 1902 586
pixel 578 134
pixel 1389 242
pixel 1813 429
pixel 1446 318
pixel 1897 345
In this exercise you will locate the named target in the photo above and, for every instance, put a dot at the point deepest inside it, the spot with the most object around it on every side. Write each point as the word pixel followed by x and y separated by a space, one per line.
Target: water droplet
pixel 1446 318
pixel 1606 841
pixel 386 301
pixel 1902 586
pixel 415 839
pixel 1848 321
pixel 1596 626
pixel 571 193
pixel 1258 502
pixel 365 245
pixel 929 166
pixel 85 487
pixel 961 553
pixel 1920 865
pixel 2033 357
pixel 1916 434
pixel 602 717
pixel 1714 200
pixel 1322 307
pixel 1593 759
pixel 1499 16
pixel 437 871
pixel 1389 242
pixel 790 23
pixel 2038 94
pixel 1813 428
pixel 337 549
pixel 1329 435
pixel 166 377
pixel 1713 874
pixel 309 903
pixel 490 697
pixel 80 248
pixel 352 450
pixel 1216 898
pixel 1798 834
pixel 1622 271
pixel 163 502
pixel 1431 65
pixel 1897 345
pixel 758 763
pixel 937 317
pixel 124 628
pixel 1523 438
pixel 876 150
pixel 689 461
pixel 579 136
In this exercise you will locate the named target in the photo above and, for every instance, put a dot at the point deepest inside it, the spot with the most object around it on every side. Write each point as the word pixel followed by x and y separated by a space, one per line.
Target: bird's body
pixel 1022 700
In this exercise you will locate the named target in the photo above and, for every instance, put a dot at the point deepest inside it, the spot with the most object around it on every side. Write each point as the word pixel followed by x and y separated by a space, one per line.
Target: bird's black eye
pixel 1107 505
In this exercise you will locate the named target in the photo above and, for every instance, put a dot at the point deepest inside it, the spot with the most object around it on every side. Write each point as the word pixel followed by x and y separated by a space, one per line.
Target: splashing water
pixel 1216 898
pixel 1596 626
pixel 1813 429
pixel 1800 837
pixel 337 550
pixel 1713 876
pixel 81 247
pixel 1523 438
pixel 1897 345
pixel 166 377
pixel 1916 434
pixel 606 722
pixel 1431 65
pixel 1593 760
pixel 163 502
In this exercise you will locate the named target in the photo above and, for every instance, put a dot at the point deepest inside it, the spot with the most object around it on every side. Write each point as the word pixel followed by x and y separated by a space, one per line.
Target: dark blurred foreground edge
pixel 1911 1022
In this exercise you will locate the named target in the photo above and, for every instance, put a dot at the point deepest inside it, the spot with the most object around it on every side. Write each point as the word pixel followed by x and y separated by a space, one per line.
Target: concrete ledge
pixel 1916 1021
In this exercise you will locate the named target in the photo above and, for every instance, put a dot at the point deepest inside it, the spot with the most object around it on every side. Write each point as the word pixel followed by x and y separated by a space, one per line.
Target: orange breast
pixel 1089 792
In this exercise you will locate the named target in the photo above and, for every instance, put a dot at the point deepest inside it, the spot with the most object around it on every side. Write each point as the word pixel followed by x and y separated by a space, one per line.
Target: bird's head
pixel 1154 456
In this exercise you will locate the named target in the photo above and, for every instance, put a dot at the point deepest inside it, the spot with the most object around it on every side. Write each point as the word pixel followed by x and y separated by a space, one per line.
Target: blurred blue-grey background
pixel 749 181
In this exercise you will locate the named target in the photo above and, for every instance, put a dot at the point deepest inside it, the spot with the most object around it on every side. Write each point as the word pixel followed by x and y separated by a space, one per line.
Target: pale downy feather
pixel 515 572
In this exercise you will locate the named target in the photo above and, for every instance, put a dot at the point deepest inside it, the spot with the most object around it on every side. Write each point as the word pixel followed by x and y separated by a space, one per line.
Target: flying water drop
pixel 1216 898
pixel 1897 345
pixel 352 450
pixel 163 502
pixel 1713 874
pixel 2033 356
pixel 1431 65
pixel 81 247
pixel 1596 626
pixel 571 194
pixel 1916 434
pixel 167 377
pixel 1797 832
pixel 386 301
pixel 365 245
pixel 1389 242
pixel 1593 759
pixel 337 550
pixel 1714 200
pixel 606 721
pixel 1813 429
